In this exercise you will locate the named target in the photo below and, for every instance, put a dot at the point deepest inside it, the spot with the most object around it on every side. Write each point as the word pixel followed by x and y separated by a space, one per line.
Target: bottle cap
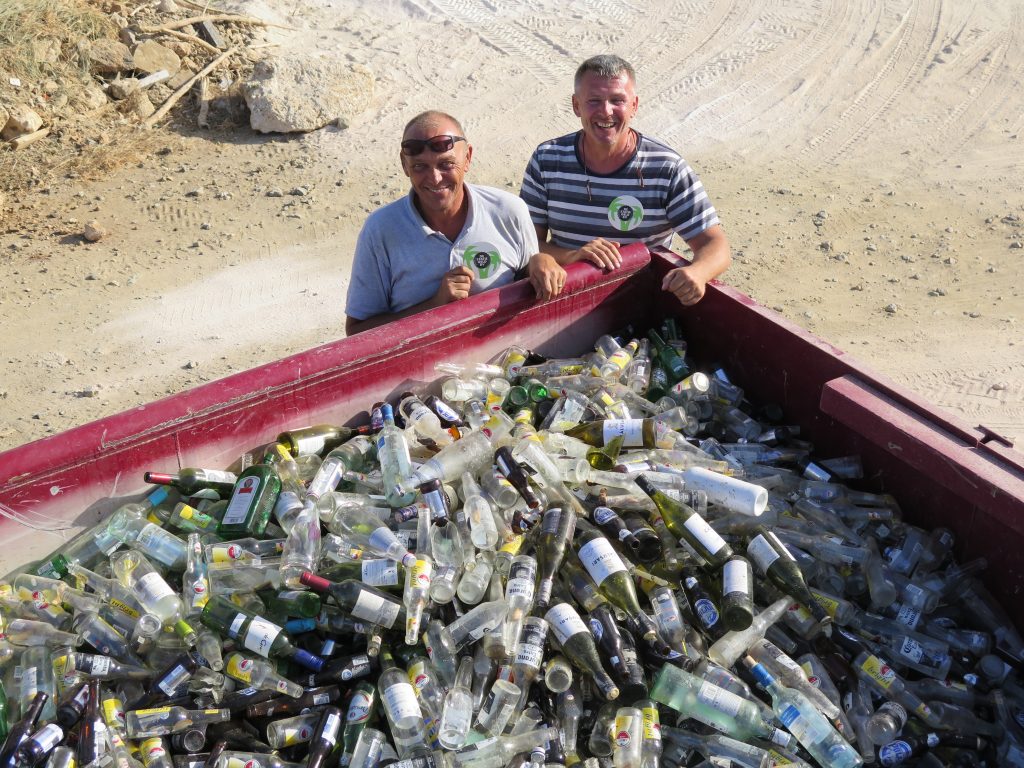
pixel 308 660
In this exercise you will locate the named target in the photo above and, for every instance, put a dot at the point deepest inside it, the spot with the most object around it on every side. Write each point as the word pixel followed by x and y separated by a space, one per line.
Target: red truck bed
pixel 942 471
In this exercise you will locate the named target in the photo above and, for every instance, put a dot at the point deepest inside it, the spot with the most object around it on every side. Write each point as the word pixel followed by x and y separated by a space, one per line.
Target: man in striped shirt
pixel 606 185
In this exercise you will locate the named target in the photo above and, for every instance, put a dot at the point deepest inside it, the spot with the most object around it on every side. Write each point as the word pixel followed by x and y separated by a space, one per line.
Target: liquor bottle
pixel 737 593
pixel 130 525
pixel 259 674
pixel 395 463
pixel 498 707
pixel 191 480
pixel 318 438
pixel 98 667
pixel 283 706
pixel 529 653
pixel 400 706
pixel 417 591
pixel 37 677
pixel 247 548
pixel 33 633
pixel 556 531
pixel 154 594
pixel 685 523
pixel 255 633
pixel 21 730
pixel 578 645
pixel 814 732
pixel 362 707
pixel 191 520
pixel 609 573
pixel 628 732
pixel 519 592
pixel 773 559
pixel 251 503
pixel 668 618
pixel 727 650
pixel 791 675
pixel 146 723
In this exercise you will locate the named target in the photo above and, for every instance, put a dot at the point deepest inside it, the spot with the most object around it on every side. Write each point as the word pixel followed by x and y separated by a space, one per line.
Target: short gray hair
pixel 605 65
pixel 431 116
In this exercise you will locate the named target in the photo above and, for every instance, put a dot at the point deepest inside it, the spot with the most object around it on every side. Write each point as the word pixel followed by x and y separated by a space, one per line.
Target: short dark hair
pixel 605 65
pixel 430 116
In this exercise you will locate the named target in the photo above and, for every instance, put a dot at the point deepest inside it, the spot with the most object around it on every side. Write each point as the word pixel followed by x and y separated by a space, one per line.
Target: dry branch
pixel 180 36
pixel 251 21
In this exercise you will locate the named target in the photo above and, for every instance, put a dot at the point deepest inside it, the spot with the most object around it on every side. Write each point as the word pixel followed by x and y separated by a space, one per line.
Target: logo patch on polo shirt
pixel 482 258
pixel 625 213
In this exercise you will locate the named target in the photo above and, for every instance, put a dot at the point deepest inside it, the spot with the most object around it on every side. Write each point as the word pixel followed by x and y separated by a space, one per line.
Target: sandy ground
pixel 866 157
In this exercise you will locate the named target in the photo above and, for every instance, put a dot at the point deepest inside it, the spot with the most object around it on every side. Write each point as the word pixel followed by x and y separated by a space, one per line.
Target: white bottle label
pixel 603 514
pixel 152 588
pixel 564 621
pixel 600 560
pixel 173 681
pixel 908 616
pixel 761 552
pixel 631 430
pixel 519 587
pixel 331 727
pixel 529 655
pixel 704 533
pixel 719 698
pixel 260 636
pixel 308 445
pixel 236 624
pixel 380 573
pixel 911 649
pixel 400 700
pixel 375 609
pixel 241 500
pixel 100 665
pixel 734 578
pixel 49 737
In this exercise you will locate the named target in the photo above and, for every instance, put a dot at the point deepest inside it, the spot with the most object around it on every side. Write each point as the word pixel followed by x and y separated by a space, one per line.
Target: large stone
pixel 304 92
pixel 21 120
pixel 150 57
pixel 108 57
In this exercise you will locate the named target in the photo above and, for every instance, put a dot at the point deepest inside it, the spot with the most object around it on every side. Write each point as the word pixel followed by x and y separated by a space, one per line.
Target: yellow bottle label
pixel 422 571
pixel 156 711
pixel 879 671
pixel 778 758
pixel 186 512
pixel 652 723
pixel 152 749
pixel 239 667
pixel 113 713
pixel 124 608
pixel 513 546
pixel 830 605
pixel 418 675
pixel 621 732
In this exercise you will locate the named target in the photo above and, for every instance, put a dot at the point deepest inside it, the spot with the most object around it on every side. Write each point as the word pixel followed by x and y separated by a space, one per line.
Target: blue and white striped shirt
pixel 653 195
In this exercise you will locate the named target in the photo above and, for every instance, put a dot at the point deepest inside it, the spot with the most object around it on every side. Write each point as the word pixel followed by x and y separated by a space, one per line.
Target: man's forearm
pixel 711 254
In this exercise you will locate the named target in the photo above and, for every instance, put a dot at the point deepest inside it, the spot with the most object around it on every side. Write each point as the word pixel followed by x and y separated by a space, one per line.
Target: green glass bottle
pixel 610 575
pixel 578 645
pixel 255 633
pixel 248 511
pixel 317 438
pixel 635 433
pixel 686 524
pixel 192 480
pixel 668 358
pixel 773 559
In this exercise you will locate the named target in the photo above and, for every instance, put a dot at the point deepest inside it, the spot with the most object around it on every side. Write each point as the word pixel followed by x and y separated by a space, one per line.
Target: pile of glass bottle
pixel 609 560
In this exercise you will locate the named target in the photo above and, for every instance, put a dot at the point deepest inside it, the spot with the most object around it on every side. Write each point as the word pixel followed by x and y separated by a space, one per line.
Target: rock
pixel 1016 245
pixel 150 57
pixel 122 88
pixel 275 192
pixel 93 232
pixel 180 47
pixel 305 92
pixel 299 192
pixel 891 309
pixel 21 120
pixel 179 78
pixel 92 97
pixel 108 57
pixel 139 103
pixel 191 365
pixel 167 6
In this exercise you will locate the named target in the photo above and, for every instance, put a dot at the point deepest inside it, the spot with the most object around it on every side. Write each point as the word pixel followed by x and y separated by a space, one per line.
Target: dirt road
pixel 866 157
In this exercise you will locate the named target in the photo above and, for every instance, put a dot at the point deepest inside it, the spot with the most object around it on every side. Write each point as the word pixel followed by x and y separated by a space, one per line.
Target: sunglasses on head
pixel 437 144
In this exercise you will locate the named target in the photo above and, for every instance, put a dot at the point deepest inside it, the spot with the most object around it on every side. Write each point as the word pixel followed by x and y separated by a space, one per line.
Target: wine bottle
pixel 556 531
pixel 685 523
pixel 737 593
pixel 773 559
pixel 668 358
pixel 318 438
pixel 635 433
pixel 192 480
pixel 609 573
pixel 255 633
pixel 578 646
pixel 251 503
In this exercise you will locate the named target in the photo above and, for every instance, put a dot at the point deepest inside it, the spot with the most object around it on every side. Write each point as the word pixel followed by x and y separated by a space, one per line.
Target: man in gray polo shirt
pixel 445 240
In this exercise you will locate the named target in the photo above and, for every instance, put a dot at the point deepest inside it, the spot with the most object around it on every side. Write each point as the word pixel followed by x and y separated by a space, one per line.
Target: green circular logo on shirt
pixel 625 213
pixel 482 258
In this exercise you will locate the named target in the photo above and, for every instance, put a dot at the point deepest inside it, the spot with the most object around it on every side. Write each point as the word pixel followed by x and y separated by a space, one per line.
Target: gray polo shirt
pixel 400 259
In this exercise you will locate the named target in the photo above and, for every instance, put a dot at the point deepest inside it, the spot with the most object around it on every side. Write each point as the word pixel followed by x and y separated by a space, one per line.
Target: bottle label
pixel 549 523
pixel 305 446
pixel 49 737
pixel 529 655
pixel 241 501
pixel 332 724
pixel 762 552
pixel 830 605
pixel 240 667
pixel 911 649
pixel 236 625
pixel 724 701
pixel 100 665
pixel 422 570
pixel 878 671
pixel 375 609
pixel 521 588
pixel 600 560
pixel 149 537
pixel 565 622
pixel 174 680
pixel 908 616
pixel 603 514
pixel 296 734
pixel 152 588
pixel 226 553
pixel 380 573
pixel 735 578
pixel 359 707
pixel 631 431
pixel 113 712
pixel 260 636
pixel 894 753
pixel 623 724
pixel 704 533
pixel 400 700
pixel 706 612
pixel 652 724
